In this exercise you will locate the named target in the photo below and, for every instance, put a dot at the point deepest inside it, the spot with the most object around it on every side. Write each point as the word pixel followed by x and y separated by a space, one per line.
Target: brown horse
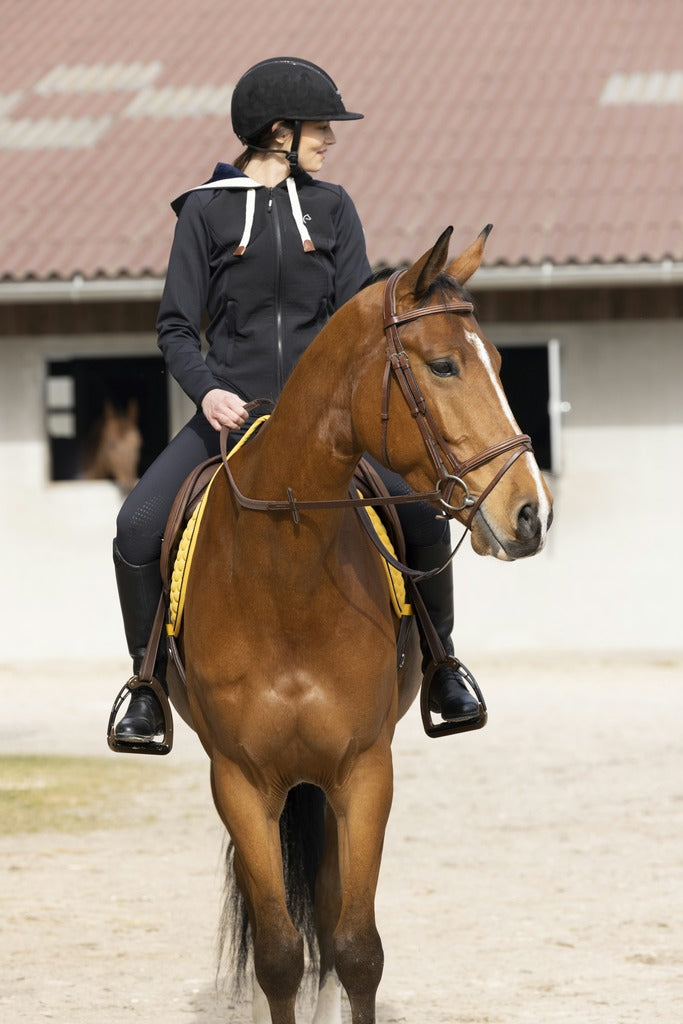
pixel 289 639
pixel 113 448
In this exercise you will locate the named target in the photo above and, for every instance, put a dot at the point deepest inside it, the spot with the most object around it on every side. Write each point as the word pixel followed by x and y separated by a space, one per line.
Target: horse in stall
pixel 289 639
pixel 112 450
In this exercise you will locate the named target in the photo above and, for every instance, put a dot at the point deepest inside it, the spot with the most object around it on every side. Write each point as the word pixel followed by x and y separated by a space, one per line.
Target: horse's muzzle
pixel 526 538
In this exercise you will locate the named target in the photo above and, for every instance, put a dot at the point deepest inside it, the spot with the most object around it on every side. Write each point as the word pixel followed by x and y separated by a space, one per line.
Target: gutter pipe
pixel 495 278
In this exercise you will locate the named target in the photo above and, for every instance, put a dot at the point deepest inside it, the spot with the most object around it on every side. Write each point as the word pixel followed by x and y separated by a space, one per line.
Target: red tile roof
pixel 560 121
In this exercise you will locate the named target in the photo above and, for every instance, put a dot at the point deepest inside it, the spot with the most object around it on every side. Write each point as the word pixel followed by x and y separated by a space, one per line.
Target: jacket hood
pixel 224 176
pixel 227 176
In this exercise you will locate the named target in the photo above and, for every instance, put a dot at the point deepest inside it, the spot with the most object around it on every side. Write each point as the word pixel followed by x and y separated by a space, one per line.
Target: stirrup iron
pixel 162 746
pixel 443 728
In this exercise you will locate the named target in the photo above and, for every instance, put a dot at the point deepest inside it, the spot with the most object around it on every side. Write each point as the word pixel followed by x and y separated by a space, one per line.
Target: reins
pixel 294 505
pixel 450 471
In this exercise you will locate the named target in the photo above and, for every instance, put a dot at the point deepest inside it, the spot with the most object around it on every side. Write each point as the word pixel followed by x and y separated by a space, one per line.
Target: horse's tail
pixel 302 827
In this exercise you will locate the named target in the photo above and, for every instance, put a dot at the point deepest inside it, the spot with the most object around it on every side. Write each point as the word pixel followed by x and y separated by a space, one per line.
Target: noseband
pixel 450 472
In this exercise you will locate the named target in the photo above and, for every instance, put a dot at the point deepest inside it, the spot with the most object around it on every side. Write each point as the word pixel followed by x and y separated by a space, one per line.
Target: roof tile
pixel 559 121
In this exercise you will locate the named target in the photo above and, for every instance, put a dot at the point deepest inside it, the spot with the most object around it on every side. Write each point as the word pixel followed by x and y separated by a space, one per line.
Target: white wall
pixel 610 576
pixel 608 580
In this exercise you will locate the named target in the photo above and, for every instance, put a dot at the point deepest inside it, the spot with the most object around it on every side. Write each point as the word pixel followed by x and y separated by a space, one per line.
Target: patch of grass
pixel 69 794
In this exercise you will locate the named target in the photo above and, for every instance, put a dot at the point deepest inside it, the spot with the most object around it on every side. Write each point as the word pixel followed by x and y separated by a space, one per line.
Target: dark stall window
pixel 530 376
pixel 105 416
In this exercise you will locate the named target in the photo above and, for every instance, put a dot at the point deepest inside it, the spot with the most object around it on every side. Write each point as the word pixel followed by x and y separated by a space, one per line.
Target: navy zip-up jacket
pixel 264 306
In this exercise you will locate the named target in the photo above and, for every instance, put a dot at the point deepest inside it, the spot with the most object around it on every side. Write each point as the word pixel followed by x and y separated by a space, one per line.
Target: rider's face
pixel 316 139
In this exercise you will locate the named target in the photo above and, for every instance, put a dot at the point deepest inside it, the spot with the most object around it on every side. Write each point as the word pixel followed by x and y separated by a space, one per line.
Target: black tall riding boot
pixel 449 695
pixel 139 589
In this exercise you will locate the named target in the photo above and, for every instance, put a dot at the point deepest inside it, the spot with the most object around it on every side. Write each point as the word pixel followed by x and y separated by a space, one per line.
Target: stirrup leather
pixel 163 746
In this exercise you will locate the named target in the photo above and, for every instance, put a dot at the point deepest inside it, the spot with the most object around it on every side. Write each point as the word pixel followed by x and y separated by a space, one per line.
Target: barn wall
pixel 57 595
pixel 608 579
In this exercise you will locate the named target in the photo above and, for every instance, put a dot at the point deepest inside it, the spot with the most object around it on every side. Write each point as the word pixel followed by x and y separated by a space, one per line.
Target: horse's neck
pixel 307 446
pixel 305 449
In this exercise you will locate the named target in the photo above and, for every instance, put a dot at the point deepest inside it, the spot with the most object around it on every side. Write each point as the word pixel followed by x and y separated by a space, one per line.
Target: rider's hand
pixel 224 409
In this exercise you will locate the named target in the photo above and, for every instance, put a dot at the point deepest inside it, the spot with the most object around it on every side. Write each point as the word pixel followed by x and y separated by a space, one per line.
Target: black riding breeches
pixel 142 519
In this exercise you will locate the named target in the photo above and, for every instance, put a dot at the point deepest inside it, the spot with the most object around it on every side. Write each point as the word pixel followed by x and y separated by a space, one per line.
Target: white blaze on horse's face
pixel 490 536
pixel 480 347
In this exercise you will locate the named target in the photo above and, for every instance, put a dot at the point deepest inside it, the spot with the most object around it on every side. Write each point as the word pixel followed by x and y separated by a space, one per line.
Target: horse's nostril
pixel 528 523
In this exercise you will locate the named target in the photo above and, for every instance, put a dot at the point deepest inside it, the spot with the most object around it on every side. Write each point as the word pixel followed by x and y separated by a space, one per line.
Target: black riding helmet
pixel 285 89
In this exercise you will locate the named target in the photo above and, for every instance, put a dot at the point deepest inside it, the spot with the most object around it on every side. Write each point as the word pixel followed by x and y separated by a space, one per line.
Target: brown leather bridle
pixel 450 471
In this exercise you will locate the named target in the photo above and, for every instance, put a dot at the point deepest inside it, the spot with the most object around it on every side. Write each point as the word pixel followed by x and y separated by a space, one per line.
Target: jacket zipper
pixel 277 227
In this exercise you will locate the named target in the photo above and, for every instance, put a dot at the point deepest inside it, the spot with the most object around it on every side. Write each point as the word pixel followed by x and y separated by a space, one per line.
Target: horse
pixel 289 640
pixel 112 451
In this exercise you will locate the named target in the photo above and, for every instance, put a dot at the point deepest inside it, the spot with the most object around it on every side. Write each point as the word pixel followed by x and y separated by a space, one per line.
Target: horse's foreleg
pixel 254 828
pixel 362 808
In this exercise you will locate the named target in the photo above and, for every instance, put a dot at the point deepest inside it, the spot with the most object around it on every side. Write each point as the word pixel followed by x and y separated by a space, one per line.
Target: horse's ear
pixel 133 409
pixel 465 265
pixel 419 278
pixel 108 410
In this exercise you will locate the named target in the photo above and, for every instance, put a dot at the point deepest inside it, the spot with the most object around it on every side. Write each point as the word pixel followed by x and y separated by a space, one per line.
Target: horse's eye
pixel 444 368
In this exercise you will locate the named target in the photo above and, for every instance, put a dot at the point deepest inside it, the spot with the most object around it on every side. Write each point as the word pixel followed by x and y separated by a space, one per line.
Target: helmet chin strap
pixel 292 154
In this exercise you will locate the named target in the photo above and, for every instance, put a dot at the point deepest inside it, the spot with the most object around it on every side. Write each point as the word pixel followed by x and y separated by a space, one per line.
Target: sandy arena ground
pixel 533 872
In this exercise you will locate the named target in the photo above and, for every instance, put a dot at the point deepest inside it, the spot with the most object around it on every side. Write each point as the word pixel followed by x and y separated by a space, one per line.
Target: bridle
pixel 450 471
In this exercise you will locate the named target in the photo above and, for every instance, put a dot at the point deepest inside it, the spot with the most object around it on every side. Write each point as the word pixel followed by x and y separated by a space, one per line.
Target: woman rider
pixel 269 253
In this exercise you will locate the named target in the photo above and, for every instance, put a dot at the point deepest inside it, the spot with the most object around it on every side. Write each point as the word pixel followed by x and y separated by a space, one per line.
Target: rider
pixel 270 253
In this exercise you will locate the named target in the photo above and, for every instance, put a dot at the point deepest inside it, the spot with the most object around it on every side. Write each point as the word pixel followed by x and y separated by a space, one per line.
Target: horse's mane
pixel 442 288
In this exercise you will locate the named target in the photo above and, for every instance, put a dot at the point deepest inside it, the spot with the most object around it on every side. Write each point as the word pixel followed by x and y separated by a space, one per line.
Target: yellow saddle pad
pixel 183 559
pixel 397 584
pixel 183 562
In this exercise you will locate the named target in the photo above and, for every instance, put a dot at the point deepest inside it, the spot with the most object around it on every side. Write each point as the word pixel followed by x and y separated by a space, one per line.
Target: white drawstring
pixel 298 216
pixel 248 222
